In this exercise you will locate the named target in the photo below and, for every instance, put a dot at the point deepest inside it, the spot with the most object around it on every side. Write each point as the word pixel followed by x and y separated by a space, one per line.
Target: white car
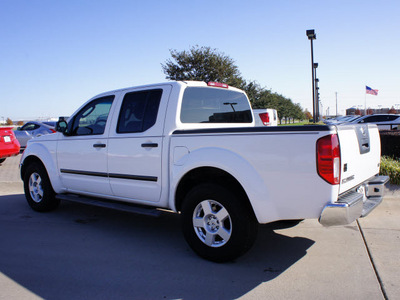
pixel 384 121
pixel 265 117
pixel 341 119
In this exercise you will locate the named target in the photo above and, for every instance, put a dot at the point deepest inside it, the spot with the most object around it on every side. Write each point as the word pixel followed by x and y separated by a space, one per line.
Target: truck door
pixel 135 144
pixel 82 151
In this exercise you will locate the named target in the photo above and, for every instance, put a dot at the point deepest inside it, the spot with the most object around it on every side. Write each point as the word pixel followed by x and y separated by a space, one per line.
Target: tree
pixel 298 112
pixel 203 64
pixel 9 122
pixel 308 115
pixel 392 111
pixel 207 64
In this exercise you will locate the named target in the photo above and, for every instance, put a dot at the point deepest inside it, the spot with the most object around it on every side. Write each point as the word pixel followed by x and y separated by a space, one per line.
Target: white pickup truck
pixel 192 148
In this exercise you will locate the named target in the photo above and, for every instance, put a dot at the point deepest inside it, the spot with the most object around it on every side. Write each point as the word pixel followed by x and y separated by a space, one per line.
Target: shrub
pixel 391 168
pixel 390 143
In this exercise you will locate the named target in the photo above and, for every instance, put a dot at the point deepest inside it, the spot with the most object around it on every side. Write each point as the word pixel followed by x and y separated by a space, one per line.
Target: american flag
pixel 371 91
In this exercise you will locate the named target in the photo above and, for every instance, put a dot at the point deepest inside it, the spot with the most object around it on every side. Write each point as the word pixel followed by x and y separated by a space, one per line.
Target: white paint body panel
pixel 359 166
pixel 280 180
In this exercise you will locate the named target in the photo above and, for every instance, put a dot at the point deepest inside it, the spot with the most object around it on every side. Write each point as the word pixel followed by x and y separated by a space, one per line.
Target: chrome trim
pixel 357 203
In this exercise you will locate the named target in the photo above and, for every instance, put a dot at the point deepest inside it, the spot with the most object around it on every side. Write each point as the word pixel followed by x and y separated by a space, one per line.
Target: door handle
pixel 150 145
pixel 99 145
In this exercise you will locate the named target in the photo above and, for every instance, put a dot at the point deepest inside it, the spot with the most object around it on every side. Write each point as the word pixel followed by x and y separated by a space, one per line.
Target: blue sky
pixel 55 55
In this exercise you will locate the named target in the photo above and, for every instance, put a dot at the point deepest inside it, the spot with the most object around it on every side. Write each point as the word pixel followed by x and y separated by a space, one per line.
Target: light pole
pixel 336 104
pixel 322 108
pixel 312 36
pixel 316 80
pixel 318 101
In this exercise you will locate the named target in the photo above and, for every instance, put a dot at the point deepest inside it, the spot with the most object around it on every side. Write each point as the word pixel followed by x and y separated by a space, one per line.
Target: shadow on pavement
pixel 81 252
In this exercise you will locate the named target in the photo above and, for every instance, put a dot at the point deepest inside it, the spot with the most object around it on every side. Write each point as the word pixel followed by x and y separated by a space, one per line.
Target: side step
pixel 121 206
pixel 370 205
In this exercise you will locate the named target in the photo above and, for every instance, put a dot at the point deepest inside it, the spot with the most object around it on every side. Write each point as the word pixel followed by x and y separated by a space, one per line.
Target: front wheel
pixel 38 190
pixel 217 223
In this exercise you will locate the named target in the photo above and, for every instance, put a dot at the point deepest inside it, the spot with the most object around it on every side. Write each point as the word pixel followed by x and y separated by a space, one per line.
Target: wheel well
pixel 27 162
pixel 208 174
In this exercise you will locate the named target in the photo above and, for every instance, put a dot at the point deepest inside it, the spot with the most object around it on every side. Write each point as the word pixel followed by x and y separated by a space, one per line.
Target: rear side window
pixel 211 105
pixel 139 111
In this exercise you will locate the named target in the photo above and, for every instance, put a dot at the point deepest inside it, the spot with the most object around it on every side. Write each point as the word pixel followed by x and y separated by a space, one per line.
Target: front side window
pixel 92 119
pixel 211 105
pixel 139 111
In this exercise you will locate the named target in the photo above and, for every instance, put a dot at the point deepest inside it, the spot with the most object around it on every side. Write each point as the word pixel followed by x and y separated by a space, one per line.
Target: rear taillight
pixel 52 130
pixel 264 118
pixel 328 158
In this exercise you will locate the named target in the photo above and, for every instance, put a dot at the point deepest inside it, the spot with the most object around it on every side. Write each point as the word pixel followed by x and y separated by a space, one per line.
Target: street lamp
pixel 312 36
pixel 316 95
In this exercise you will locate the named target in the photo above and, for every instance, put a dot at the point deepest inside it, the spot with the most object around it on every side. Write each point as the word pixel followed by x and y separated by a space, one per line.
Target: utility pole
pixel 336 104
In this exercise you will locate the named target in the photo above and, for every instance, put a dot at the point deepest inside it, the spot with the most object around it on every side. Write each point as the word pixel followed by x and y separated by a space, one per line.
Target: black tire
pixel 38 190
pixel 2 160
pixel 217 224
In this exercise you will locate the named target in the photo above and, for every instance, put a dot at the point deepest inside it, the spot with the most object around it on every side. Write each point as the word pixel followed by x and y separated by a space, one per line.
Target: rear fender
pixel 232 164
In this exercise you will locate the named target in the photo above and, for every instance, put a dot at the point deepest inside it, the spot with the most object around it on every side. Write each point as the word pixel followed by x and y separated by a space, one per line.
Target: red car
pixel 9 145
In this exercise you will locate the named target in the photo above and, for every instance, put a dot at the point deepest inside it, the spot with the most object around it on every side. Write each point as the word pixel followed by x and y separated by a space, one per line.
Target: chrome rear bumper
pixel 356 203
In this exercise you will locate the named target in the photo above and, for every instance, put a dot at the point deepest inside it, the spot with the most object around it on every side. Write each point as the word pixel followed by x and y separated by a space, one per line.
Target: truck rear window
pixel 212 105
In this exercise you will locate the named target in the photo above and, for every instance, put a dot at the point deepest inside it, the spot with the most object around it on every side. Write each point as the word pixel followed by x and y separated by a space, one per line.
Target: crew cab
pixel 192 148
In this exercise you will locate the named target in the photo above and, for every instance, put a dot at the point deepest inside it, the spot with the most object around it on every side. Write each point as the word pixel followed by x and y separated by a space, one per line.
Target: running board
pixel 121 206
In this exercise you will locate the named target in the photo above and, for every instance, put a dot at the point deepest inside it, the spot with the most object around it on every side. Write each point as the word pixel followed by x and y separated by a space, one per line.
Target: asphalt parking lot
pixel 83 252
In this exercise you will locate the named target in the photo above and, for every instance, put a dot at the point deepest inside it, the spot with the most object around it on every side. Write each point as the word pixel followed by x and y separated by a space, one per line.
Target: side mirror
pixel 61 125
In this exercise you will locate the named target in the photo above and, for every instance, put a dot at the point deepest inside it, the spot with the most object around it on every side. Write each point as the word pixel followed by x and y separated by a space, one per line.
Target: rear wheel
pixel 2 160
pixel 38 190
pixel 217 224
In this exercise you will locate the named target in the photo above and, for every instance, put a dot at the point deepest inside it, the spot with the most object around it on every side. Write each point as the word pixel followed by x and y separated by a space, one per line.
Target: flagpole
pixel 365 103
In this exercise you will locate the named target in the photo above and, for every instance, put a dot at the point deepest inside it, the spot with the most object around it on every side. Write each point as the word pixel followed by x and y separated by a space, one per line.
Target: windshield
pixel 211 105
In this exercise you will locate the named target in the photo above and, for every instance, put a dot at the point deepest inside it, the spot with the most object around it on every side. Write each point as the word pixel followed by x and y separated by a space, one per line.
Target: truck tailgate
pixel 360 150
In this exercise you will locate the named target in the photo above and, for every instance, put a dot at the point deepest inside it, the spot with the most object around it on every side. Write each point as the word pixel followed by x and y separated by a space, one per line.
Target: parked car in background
pixel 9 145
pixel 265 117
pixel 341 119
pixel 50 123
pixel 384 121
pixel 30 130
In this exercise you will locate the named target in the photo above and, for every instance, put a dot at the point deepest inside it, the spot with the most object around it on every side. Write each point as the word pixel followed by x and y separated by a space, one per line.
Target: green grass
pixel 300 123
pixel 391 168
